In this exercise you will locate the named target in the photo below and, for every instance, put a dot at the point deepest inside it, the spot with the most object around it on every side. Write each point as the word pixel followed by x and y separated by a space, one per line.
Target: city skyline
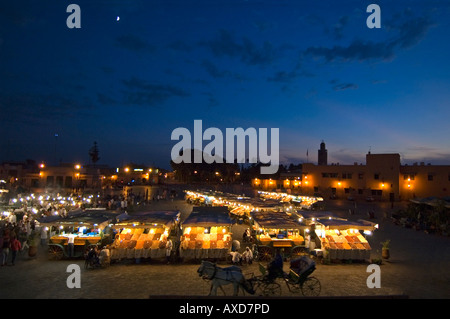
pixel 137 70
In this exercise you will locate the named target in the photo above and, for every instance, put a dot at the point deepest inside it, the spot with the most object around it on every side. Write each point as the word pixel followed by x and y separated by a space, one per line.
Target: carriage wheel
pixel 294 287
pixel 298 252
pixel 55 252
pixel 311 287
pixel 265 253
pixel 272 289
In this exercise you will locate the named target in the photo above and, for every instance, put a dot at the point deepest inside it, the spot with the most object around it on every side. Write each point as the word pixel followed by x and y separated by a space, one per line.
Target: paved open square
pixel 418 268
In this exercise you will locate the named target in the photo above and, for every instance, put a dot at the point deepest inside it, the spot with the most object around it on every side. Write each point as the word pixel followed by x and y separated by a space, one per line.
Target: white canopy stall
pixel 342 239
pixel 206 234
pixel 144 234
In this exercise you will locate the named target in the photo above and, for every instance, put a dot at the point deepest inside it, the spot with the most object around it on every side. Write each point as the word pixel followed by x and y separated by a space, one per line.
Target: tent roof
pixel 315 214
pixel 277 220
pixel 166 218
pixel 82 219
pixel 208 217
pixel 347 224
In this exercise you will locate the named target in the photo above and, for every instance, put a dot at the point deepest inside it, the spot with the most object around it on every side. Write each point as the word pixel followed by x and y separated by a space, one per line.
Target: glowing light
pixel 118 18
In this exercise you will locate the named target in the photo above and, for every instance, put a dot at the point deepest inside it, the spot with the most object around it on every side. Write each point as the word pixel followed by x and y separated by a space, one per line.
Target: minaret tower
pixel 322 155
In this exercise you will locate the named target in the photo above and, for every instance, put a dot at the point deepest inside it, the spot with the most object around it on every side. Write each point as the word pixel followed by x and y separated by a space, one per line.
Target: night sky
pixel 313 69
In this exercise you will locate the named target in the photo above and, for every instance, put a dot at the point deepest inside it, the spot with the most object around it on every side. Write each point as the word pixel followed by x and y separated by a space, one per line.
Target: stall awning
pixel 315 214
pixel 83 219
pixel 139 219
pixel 342 224
pixel 208 217
pixel 277 220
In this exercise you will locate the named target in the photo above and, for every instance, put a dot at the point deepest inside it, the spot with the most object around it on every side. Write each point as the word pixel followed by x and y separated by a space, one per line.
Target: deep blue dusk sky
pixel 313 69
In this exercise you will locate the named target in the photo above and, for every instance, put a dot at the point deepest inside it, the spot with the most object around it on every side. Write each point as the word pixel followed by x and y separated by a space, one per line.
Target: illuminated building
pixel 381 178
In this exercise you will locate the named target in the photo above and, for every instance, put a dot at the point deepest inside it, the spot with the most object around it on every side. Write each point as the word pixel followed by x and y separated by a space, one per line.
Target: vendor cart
pixel 274 230
pixel 206 234
pixel 86 227
pixel 145 235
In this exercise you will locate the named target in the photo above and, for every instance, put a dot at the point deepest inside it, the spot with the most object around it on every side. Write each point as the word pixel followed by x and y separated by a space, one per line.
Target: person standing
pixel 70 244
pixel 15 247
pixel 43 236
pixel 248 256
pixel 169 246
pixel 6 247
pixel 23 238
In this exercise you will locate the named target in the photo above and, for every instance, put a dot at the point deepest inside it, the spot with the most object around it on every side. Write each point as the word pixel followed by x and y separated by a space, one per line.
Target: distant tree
pixel 93 153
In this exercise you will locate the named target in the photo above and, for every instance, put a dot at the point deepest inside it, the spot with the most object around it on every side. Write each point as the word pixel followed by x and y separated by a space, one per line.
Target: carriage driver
pixel 275 267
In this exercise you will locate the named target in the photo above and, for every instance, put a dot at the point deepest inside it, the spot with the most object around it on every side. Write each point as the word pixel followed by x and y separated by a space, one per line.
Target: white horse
pixel 224 276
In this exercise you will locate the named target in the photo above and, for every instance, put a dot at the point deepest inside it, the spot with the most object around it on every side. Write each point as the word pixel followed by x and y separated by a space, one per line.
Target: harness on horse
pixel 228 273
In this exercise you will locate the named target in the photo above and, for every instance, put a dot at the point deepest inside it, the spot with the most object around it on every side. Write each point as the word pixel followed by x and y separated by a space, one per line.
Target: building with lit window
pixel 381 178
pixel 74 177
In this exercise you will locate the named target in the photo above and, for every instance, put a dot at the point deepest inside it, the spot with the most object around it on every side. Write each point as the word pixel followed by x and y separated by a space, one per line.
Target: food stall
pixel 301 201
pixel 144 235
pixel 206 234
pixel 273 230
pixel 342 239
pixel 86 227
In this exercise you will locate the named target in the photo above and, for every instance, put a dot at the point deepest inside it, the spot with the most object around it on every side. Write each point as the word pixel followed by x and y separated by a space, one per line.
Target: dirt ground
pixel 418 268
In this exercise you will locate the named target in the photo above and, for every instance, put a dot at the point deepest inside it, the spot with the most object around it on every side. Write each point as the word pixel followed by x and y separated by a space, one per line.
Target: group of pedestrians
pixel 10 245
pixel 14 237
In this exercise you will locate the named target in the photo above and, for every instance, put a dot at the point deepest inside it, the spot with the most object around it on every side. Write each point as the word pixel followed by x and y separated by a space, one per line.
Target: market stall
pixel 342 239
pixel 144 235
pixel 206 234
pixel 85 229
pixel 302 201
pixel 273 230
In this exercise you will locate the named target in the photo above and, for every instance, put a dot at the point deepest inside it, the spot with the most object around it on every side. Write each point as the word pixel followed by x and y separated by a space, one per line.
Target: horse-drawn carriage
pixel 266 284
pixel 278 230
pixel 297 280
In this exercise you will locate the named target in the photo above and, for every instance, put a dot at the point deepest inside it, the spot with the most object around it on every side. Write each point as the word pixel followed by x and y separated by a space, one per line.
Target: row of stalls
pixel 140 235
pixel 207 234
pixel 286 222
pixel 318 233
pixel 204 234
pixel 241 206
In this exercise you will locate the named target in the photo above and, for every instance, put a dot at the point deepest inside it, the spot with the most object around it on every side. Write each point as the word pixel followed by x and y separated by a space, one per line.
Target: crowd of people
pixel 15 236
